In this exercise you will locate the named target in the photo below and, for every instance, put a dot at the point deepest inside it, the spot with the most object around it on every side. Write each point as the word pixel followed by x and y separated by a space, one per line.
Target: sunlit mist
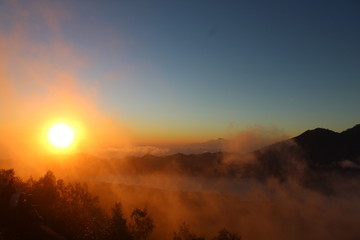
pixel 179 120
pixel 61 135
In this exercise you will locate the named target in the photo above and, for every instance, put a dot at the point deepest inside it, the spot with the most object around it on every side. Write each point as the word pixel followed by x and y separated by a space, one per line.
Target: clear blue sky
pixel 204 67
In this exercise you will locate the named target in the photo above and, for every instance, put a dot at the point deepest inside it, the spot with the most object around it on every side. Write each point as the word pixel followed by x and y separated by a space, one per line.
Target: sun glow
pixel 61 135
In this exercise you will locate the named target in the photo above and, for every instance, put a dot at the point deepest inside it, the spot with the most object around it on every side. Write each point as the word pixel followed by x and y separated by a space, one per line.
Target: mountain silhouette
pixel 323 147
pixel 311 158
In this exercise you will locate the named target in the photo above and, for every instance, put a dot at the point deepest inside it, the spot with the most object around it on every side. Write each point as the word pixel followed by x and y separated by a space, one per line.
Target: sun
pixel 61 135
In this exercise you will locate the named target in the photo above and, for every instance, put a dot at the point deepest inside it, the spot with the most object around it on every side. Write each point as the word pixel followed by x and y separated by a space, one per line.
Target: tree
pixel 68 208
pixel 45 191
pixel 117 226
pixel 185 233
pixel 226 235
pixel 141 224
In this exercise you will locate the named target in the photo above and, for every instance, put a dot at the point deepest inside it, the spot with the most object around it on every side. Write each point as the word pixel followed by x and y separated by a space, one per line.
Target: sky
pixel 180 71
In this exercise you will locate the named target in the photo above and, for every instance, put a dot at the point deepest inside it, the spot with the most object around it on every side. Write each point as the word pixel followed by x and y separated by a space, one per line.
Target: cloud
pixel 253 138
pixel 348 164
pixel 268 210
pixel 133 150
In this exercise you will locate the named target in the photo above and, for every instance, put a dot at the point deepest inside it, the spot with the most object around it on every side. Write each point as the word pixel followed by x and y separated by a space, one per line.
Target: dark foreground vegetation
pixel 49 208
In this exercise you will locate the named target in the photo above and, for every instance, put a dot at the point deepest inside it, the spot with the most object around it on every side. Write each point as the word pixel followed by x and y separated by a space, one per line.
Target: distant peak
pixel 317 132
pixel 355 128
pixel 323 130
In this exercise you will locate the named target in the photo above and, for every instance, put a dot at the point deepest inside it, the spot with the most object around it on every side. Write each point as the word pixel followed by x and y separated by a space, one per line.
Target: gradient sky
pixel 197 70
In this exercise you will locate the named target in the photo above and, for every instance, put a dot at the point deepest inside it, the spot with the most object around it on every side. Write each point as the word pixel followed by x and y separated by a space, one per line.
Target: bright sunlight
pixel 61 135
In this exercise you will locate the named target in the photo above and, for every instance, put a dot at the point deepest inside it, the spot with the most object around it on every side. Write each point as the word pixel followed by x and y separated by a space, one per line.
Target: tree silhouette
pixel 70 210
pixel 117 226
pixel 141 224
pixel 226 235
pixel 185 233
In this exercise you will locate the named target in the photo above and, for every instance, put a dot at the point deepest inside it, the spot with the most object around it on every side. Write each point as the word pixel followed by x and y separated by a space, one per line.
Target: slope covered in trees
pixel 59 210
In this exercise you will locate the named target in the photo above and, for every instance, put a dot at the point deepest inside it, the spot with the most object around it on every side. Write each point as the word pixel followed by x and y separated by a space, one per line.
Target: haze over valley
pixel 182 120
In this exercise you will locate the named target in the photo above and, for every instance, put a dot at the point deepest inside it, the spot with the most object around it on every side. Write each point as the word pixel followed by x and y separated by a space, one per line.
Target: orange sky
pixel 47 76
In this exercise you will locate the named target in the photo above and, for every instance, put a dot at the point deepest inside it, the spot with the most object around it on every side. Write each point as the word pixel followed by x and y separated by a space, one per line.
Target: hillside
pixel 327 148
pixel 313 152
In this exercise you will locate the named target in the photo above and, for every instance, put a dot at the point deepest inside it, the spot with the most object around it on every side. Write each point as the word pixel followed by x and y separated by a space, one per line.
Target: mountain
pixel 314 150
pixel 324 147
pixel 312 158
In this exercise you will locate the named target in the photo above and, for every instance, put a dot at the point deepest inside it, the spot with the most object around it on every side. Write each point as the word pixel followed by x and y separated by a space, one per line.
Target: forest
pixel 50 208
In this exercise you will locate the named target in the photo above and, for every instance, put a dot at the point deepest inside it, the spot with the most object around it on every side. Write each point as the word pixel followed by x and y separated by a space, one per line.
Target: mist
pixel 292 205
pixel 210 185
pixel 256 210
